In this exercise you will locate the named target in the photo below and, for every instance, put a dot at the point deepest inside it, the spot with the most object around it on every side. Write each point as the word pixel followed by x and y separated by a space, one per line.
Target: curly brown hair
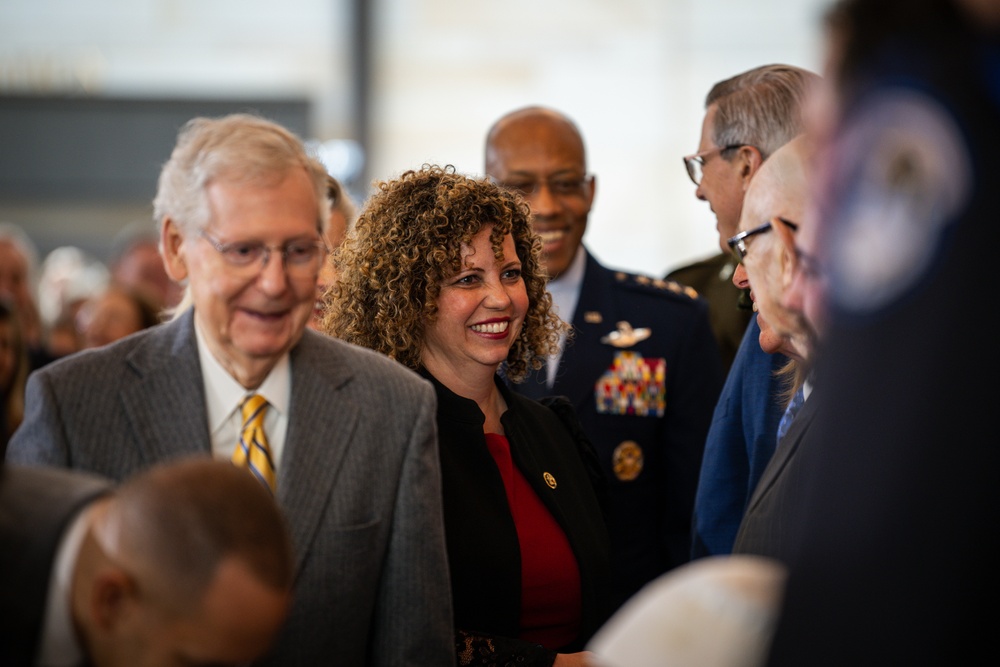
pixel 407 240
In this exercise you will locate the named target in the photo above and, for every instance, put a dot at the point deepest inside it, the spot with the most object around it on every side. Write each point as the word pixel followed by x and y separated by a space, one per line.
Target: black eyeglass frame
pixel 738 244
pixel 700 159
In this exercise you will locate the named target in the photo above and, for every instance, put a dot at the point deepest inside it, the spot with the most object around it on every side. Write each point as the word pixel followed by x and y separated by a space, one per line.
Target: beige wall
pixel 633 73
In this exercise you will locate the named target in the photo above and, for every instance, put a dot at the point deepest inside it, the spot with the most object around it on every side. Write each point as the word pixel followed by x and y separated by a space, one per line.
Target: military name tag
pixel 633 385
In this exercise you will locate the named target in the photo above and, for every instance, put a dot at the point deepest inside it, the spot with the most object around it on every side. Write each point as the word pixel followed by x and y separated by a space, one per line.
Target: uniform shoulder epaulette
pixel 649 284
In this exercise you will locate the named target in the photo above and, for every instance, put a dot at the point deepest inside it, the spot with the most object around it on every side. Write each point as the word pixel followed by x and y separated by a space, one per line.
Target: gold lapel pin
pixel 549 479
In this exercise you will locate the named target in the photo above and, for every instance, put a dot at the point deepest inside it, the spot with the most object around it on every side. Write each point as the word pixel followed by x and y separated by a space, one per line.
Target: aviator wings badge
pixel 626 336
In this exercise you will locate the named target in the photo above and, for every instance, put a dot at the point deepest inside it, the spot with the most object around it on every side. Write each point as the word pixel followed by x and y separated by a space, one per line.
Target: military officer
pixel 641 364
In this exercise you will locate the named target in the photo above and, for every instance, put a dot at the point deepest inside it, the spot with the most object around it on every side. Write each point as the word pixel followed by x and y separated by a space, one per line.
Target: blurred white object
pixel 68 275
pixel 718 611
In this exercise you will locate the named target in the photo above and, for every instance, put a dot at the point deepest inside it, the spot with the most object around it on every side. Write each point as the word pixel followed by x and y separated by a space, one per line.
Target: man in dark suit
pixel 344 437
pixel 186 562
pixel 641 367
pixel 771 263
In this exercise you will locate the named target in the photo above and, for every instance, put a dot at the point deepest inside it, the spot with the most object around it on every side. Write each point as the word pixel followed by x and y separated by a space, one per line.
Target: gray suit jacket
pixel 767 528
pixel 359 481
pixel 37 505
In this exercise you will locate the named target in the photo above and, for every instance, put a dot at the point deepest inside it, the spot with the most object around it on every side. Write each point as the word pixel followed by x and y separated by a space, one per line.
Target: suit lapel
pixel 166 388
pixel 322 418
pixel 784 452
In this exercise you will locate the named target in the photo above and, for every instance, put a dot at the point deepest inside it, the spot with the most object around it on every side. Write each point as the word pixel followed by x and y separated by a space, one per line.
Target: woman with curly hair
pixel 441 272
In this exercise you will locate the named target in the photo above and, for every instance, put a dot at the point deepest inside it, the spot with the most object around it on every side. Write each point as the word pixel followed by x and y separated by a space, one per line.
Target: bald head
pixel 781 186
pixel 188 561
pixel 540 153
pixel 512 130
pixel 180 520
pixel 779 191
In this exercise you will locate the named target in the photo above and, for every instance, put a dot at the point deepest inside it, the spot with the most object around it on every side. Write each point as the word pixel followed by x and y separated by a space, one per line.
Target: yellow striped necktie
pixel 253 452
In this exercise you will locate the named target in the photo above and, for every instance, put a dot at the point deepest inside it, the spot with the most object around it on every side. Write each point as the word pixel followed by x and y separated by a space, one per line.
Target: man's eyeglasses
pixel 558 187
pixel 738 243
pixel 300 258
pixel 696 163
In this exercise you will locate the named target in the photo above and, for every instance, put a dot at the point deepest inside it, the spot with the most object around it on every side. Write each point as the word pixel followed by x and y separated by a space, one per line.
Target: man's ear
pixel 748 161
pixel 172 242
pixel 591 190
pixel 786 254
pixel 111 595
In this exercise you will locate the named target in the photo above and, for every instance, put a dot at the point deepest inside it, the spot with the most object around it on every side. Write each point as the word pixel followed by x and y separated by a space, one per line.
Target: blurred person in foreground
pixel 747 117
pixel 718 611
pixel 186 563
pixel 242 210
pixel 456 291
pixel 342 215
pixel 897 562
pixel 642 368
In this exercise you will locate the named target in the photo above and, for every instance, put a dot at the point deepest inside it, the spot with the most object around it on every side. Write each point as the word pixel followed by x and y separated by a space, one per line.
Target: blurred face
pixel 335 234
pixel 721 183
pixel 14 284
pixel 236 622
pixel 8 354
pixel 142 268
pixel 481 311
pixel 543 158
pixel 107 317
pixel 250 315
pixel 806 294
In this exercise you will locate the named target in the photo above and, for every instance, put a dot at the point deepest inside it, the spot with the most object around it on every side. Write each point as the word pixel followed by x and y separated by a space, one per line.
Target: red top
pixel 550 578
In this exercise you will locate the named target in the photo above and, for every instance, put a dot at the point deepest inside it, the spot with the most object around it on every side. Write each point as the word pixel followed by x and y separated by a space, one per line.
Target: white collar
pixel 59 647
pixel 223 394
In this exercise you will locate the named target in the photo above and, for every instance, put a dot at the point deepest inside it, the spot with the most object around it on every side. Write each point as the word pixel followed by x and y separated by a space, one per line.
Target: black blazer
pixel 483 551
pixel 651 504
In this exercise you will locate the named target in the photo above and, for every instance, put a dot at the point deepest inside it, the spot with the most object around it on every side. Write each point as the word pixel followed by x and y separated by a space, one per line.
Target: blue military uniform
pixel 643 371
pixel 739 444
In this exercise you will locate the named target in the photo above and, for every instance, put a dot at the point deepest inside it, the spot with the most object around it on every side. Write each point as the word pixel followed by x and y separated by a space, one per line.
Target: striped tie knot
pixel 253 451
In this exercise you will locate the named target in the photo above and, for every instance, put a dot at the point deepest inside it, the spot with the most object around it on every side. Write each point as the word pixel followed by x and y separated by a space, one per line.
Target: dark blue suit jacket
pixel 740 442
pixel 651 461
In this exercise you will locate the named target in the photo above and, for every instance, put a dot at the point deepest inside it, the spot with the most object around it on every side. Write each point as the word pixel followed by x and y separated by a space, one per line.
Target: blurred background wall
pixel 92 93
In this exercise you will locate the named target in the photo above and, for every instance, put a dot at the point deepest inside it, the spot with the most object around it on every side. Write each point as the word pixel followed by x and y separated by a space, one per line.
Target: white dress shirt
pixel 565 291
pixel 224 395
pixel 59 647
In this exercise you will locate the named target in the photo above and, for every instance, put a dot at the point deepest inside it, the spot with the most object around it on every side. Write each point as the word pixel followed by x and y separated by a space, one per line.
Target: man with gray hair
pixel 344 438
pixel 747 118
